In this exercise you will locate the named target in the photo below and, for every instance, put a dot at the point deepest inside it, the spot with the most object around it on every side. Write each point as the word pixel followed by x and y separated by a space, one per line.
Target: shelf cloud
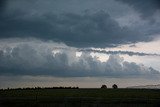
pixel 79 28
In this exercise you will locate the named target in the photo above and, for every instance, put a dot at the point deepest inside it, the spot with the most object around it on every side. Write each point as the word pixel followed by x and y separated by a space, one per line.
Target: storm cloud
pixel 97 30
pixel 147 8
pixel 38 58
pixel 59 37
pixel 79 28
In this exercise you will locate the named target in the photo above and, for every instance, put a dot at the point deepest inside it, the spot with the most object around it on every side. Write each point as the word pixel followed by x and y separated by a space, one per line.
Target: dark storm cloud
pixel 86 30
pixel 2 5
pixel 95 29
pixel 146 8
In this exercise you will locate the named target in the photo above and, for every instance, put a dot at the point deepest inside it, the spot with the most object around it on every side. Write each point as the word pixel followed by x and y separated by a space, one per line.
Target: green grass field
pixel 80 98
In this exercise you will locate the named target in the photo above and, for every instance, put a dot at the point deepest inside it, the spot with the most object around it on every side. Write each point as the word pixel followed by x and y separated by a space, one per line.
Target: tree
pixel 114 86
pixel 103 86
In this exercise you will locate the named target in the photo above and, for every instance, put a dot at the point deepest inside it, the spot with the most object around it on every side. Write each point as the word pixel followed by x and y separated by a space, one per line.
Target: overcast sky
pixel 92 40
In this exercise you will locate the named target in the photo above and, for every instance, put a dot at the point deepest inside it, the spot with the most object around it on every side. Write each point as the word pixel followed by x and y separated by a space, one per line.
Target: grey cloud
pixel 130 53
pixel 91 25
pixel 149 12
pixel 85 29
pixel 33 59
pixel 96 30
pixel 2 5
pixel 61 6
pixel 147 8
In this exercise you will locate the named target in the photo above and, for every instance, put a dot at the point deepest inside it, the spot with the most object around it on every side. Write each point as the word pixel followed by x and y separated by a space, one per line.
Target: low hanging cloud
pixel 86 30
pixel 130 53
pixel 78 29
pixel 37 57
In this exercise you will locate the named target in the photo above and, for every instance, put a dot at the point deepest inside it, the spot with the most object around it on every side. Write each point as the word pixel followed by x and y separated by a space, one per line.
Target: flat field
pixel 80 98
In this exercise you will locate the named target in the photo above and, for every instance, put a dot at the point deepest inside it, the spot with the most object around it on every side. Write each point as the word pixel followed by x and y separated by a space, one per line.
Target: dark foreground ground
pixel 80 98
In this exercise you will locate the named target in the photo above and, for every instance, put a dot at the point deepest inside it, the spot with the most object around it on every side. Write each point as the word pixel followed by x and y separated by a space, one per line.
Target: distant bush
pixel 103 86
pixel 114 86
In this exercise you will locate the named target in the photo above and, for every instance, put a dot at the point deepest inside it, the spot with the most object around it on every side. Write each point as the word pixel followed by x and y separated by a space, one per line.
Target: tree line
pixel 114 86
pixel 36 88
